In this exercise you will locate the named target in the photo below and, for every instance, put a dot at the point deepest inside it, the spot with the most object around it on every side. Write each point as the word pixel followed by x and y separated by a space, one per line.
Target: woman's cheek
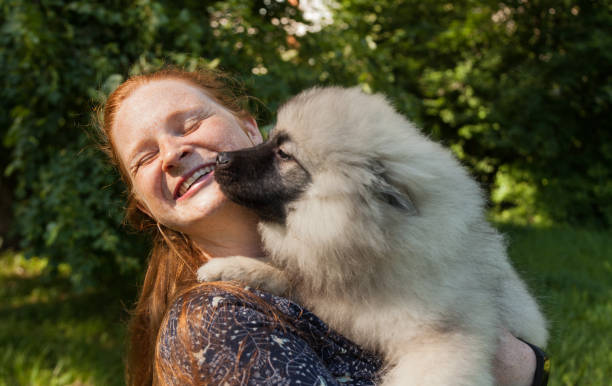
pixel 148 183
pixel 227 135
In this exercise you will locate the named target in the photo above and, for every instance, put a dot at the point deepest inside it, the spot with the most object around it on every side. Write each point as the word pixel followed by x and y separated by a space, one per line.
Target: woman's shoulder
pixel 218 296
pixel 207 300
pixel 215 306
pixel 224 324
pixel 229 304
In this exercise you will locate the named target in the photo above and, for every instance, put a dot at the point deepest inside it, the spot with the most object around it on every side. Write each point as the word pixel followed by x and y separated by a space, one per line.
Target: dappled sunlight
pixel 25 282
pixel 520 91
pixel 512 186
pixel 53 336
pixel 15 264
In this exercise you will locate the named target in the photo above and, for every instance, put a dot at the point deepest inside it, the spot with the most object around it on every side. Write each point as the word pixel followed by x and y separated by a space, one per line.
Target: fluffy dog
pixel 382 234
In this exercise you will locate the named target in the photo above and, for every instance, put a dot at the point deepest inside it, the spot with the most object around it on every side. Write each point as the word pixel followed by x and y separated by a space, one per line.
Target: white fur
pixel 429 291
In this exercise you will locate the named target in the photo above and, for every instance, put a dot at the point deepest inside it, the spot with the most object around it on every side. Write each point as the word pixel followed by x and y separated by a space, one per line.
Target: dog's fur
pixel 382 234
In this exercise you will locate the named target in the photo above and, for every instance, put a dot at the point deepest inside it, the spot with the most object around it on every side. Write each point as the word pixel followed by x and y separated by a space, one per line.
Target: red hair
pixel 174 257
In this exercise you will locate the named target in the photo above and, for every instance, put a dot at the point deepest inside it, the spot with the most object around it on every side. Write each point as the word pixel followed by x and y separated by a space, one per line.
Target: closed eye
pixel 146 159
pixel 195 125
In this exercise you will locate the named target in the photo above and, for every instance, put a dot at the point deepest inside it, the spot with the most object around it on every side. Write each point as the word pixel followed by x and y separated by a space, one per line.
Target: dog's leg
pixel 451 359
pixel 250 271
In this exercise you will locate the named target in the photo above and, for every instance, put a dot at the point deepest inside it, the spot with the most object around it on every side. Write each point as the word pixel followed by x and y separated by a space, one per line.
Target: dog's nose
pixel 223 159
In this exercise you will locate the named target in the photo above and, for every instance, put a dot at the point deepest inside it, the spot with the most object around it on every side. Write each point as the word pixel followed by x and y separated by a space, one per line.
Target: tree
pixel 520 91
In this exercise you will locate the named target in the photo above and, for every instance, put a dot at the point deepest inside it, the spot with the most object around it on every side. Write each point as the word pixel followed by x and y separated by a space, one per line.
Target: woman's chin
pixel 199 210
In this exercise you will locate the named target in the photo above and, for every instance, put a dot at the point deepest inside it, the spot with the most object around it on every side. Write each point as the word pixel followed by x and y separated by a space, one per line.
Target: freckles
pixel 228 134
pixel 229 144
pixel 241 139
pixel 150 185
pixel 233 140
pixel 165 190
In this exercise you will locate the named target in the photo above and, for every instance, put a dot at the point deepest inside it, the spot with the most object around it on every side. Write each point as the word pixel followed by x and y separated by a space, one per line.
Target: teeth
pixel 199 173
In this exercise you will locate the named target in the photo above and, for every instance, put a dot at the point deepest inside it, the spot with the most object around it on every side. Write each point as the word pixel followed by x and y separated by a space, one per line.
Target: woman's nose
pixel 173 155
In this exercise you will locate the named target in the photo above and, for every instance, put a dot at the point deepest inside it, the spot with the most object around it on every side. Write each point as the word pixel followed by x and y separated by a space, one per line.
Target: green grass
pixel 571 272
pixel 50 336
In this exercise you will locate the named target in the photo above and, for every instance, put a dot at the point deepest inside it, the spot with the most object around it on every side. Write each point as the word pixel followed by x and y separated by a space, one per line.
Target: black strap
pixel 542 365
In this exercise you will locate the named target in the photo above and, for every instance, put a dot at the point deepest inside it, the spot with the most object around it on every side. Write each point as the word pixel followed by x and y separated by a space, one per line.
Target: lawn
pixel 571 272
pixel 50 336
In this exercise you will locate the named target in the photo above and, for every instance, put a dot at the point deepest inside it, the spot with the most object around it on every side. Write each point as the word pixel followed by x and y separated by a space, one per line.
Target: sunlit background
pixel 519 90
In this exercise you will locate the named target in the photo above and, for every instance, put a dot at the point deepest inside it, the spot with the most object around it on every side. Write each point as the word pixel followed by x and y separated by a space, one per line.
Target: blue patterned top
pixel 228 332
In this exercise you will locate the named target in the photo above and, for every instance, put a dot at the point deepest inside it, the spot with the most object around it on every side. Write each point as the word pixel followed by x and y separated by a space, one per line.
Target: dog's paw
pixel 219 269
pixel 249 271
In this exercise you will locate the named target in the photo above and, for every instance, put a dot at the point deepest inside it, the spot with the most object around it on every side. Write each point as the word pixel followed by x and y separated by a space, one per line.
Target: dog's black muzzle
pixel 253 178
pixel 223 159
pixel 250 177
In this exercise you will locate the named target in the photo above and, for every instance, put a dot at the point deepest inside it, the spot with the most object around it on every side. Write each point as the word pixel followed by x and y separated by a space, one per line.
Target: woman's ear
pixel 251 129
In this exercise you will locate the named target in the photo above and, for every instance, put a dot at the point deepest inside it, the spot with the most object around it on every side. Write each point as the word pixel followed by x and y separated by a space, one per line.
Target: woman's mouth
pixel 193 181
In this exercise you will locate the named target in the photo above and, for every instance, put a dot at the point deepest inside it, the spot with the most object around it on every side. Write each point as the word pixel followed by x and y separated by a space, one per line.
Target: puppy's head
pixel 318 133
pixel 345 181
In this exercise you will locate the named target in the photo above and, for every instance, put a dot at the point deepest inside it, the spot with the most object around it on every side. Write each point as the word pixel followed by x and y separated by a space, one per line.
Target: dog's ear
pixel 386 192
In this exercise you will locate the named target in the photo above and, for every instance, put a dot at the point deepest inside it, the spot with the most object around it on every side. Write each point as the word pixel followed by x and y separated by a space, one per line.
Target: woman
pixel 163 132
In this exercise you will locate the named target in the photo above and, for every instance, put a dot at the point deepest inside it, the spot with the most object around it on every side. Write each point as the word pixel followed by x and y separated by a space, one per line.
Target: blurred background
pixel 521 92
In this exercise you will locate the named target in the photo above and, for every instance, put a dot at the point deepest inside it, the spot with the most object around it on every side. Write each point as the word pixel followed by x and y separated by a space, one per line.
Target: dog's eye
pixel 282 155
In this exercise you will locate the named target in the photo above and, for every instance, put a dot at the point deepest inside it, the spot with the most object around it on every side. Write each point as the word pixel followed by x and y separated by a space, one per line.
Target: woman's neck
pixel 233 232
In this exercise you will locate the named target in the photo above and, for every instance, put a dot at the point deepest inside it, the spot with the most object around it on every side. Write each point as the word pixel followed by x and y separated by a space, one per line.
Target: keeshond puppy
pixel 381 233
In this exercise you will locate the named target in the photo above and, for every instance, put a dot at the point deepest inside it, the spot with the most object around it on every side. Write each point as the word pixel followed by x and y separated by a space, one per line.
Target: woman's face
pixel 167 134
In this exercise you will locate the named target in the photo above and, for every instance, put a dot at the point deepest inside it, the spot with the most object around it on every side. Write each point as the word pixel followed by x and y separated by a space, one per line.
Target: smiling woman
pixel 167 146
pixel 160 130
pixel 163 131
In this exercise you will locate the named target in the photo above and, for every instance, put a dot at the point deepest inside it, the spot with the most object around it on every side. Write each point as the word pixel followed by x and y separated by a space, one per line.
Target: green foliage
pixel 59 59
pixel 519 90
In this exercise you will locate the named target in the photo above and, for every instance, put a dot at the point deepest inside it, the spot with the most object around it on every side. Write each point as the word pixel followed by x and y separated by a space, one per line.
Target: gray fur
pixel 397 256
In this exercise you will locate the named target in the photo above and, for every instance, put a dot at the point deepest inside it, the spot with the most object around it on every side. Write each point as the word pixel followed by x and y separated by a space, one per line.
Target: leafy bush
pixel 519 90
